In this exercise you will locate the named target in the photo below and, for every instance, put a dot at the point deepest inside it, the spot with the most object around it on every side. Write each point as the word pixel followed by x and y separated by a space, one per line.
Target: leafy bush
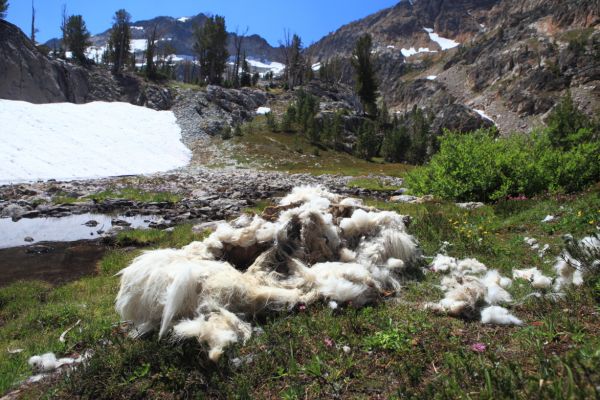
pixel 477 166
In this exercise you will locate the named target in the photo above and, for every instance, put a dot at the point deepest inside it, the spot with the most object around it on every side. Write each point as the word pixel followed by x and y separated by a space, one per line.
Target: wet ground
pixel 57 250
pixel 52 262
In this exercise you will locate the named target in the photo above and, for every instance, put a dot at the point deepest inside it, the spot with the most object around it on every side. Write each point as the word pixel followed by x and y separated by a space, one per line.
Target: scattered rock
pixel 29 239
pixel 470 205
pixel 12 211
pixel 403 198
pixel 120 222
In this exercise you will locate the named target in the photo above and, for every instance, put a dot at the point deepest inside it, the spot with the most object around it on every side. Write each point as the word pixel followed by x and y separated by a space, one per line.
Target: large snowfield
pixel 67 141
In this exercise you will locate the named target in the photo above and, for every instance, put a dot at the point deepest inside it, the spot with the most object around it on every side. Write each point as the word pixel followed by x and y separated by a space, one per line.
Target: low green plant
pixel 478 166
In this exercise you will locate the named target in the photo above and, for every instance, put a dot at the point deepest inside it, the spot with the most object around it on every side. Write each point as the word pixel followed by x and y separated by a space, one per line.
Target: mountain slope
pixel 179 34
pixel 516 58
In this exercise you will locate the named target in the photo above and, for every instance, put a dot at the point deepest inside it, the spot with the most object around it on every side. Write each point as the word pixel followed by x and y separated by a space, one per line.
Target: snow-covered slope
pixel 68 141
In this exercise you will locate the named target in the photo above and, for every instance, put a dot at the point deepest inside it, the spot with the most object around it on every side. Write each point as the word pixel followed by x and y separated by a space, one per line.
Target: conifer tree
pixel 120 40
pixel 211 47
pixel 77 37
pixel 295 64
pixel 246 78
pixel 366 86
pixel 151 52
pixel 3 8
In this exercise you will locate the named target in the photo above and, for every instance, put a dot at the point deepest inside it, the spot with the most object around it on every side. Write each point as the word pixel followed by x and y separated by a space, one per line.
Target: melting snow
pixel 273 66
pixel 139 44
pixel 69 141
pixel 183 19
pixel 444 43
pixel 263 110
pixel 138 28
pixel 316 66
pixel 432 77
pixel 483 115
pixel 412 51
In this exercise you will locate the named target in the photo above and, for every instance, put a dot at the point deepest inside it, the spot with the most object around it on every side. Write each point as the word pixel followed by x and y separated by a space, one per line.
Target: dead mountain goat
pixel 313 246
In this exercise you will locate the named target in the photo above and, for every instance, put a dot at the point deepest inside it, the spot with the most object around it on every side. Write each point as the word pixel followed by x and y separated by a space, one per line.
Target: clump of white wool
pixel 499 316
pixel 468 287
pixel 537 279
pixel 321 247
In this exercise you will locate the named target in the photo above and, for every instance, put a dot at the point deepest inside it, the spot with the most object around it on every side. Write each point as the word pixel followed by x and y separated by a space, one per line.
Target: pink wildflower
pixel 328 342
pixel 478 347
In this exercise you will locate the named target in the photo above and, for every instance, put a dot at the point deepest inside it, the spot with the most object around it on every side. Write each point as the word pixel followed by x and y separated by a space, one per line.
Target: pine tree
pixel 151 52
pixel 246 78
pixel 566 123
pixel 211 47
pixel 419 131
pixel 78 37
pixel 366 86
pixel 367 145
pixel 396 144
pixel 120 40
pixel 3 8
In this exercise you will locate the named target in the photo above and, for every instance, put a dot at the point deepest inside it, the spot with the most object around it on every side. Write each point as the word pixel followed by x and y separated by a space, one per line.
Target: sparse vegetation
pixel 126 193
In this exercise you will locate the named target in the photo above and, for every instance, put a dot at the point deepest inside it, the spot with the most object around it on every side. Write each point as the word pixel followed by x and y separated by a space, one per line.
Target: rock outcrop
pixel 207 112
pixel 29 75
pixel 517 58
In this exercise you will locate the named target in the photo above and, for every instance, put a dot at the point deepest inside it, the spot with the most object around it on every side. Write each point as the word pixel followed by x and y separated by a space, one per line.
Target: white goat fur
pixel 309 258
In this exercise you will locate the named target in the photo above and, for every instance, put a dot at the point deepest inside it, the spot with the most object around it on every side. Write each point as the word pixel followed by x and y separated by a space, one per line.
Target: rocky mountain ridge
pixel 178 34
pixel 516 59
pixel 29 75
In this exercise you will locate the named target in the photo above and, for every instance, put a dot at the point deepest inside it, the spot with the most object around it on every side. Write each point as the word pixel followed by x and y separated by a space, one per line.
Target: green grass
pixel 397 349
pixel 34 314
pixel 125 193
pixel 182 85
pixel 375 184
pixel 292 152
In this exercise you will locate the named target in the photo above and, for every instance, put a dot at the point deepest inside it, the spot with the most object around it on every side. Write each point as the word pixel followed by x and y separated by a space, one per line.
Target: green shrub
pixel 477 166
pixel 271 122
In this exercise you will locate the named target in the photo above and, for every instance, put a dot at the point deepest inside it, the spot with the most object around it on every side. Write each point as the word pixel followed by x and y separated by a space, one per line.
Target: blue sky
pixel 311 19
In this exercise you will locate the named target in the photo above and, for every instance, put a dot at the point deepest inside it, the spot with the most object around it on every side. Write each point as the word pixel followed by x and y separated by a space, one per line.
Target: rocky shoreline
pixel 206 194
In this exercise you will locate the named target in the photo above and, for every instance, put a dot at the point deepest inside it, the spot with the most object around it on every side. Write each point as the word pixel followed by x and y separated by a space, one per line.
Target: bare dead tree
pixel 238 43
pixel 33 28
pixel 286 49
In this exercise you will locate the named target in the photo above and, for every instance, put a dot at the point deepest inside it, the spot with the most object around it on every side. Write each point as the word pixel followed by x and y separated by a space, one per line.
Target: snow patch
pixel 412 51
pixel 444 43
pixel 273 66
pixel 71 141
pixel 139 45
pixel 316 66
pixel 432 77
pixel 483 115
pixel 183 19
pixel 263 110
pixel 137 28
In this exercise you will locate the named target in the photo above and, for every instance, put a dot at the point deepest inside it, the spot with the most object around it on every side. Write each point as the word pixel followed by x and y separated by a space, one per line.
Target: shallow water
pixel 65 229
pixel 56 263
